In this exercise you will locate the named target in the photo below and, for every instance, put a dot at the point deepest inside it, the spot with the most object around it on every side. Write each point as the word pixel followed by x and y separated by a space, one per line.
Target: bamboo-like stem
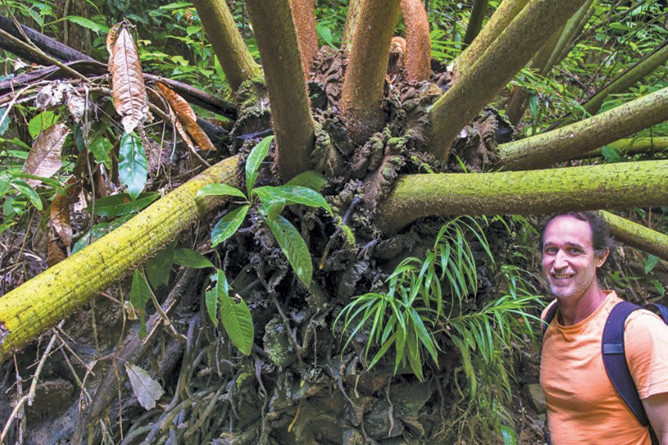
pixel 352 16
pixel 475 21
pixel 636 235
pixel 288 97
pixel 303 14
pixel 581 137
pixel 38 304
pixel 418 44
pixel 610 186
pixel 632 146
pixel 362 91
pixel 499 21
pixel 626 80
pixel 495 68
pixel 232 53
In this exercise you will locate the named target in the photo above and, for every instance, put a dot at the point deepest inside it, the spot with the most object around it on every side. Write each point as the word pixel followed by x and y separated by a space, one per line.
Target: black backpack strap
pixel 549 316
pixel 614 359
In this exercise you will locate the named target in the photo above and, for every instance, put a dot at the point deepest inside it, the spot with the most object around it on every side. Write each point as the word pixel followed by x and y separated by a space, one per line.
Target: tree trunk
pixel 232 53
pixel 632 146
pixel 581 137
pixel 622 185
pixel 38 304
pixel 499 21
pixel 636 235
pixel 418 44
pixel 362 91
pixel 475 21
pixel 352 16
pixel 495 68
pixel 288 98
pixel 303 15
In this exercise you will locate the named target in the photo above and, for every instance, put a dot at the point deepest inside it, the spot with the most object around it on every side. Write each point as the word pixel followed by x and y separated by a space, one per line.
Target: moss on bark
pixel 41 302
pixel 636 235
pixel 303 14
pixel 418 44
pixel 622 185
pixel 581 137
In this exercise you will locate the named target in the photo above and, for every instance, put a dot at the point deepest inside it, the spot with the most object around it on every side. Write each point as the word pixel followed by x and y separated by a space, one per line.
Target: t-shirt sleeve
pixel 646 347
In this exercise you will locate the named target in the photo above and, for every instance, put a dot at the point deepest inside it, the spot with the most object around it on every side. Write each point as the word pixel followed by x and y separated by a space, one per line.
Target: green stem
pixel 581 137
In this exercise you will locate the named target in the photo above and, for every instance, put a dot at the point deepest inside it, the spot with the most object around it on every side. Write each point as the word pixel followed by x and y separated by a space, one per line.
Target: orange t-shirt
pixel 582 405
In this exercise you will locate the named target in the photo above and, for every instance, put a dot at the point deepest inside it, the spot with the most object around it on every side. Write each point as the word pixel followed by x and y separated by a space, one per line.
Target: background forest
pixel 357 265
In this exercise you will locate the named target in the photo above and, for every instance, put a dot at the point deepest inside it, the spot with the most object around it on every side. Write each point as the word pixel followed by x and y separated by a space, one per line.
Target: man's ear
pixel 600 259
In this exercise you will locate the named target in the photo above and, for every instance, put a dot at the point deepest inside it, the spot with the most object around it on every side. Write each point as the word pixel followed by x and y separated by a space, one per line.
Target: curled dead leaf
pixel 44 157
pixel 127 80
pixel 60 218
pixel 111 39
pixel 55 253
pixel 187 117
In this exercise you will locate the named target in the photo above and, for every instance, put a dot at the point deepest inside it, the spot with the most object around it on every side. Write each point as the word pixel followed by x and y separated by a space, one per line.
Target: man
pixel 583 406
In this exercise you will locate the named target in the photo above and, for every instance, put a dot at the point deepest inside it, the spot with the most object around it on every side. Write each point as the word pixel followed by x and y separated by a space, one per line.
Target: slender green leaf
pixel 293 194
pixel 254 160
pixel 220 190
pixel 158 268
pixel 29 193
pixel 190 258
pixel 311 179
pixel 101 149
pixel 211 302
pixel 140 294
pixel 88 24
pixel 236 317
pixel 228 225
pixel 122 204
pixel 293 246
pixel 132 164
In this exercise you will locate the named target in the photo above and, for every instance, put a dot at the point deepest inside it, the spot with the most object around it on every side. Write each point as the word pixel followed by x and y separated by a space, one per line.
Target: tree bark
pixel 288 97
pixel 418 44
pixel 622 185
pixel 232 53
pixel 499 21
pixel 362 91
pixel 495 68
pixel 581 137
pixel 636 235
pixel 38 304
pixel 475 21
pixel 303 15
pixel 352 16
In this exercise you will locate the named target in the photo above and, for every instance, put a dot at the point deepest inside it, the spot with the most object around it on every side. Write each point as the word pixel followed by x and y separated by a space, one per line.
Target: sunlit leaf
pixel 220 190
pixel 43 121
pixel 60 218
pixel 132 164
pixel 147 390
pixel 293 246
pixel 122 204
pixel 88 24
pixel 236 317
pixel 190 258
pixel 311 179
pixel 228 225
pixel 44 158
pixel 254 160
pixel 294 194
pixel 127 81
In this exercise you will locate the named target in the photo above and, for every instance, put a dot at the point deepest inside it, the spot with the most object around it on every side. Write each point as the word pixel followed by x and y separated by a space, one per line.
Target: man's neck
pixel 574 311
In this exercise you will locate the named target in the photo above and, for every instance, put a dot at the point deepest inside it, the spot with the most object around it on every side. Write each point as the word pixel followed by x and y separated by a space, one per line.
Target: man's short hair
pixel 601 239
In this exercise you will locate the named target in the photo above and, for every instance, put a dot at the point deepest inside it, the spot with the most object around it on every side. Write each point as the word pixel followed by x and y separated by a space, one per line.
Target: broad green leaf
pixel 132 164
pixel 254 160
pixel 41 122
pixel 311 179
pixel 29 193
pixel 211 301
pixel 228 225
pixel 140 294
pixel 190 258
pixel 236 318
pixel 650 264
pixel 98 231
pixel 272 204
pixel 293 246
pixel 122 204
pixel 158 267
pixel 295 194
pixel 101 147
pixel 147 390
pixel 5 183
pixel 4 125
pixel 88 24
pixel 611 154
pixel 220 190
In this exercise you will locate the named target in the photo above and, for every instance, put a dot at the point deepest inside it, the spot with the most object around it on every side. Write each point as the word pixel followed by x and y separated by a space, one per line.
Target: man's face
pixel 569 261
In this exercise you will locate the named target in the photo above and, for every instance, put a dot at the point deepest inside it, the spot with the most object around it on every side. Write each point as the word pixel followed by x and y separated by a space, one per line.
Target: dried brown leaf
pixel 187 116
pixel 127 80
pixel 44 158
pixel 111 39
pixel 54 253
pixel 60 218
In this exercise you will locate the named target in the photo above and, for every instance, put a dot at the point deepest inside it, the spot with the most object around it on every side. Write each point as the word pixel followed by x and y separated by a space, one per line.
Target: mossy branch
pixel 612 186
pixel 38 304
pixel 352 16
pixel 581 137
pixel 636 235
pixel 303 15
pixel 475 21
pixel 362 91
pixel 509 52
pixel 632 146
pixel 418 44
pixel 232 53
pixel 284 76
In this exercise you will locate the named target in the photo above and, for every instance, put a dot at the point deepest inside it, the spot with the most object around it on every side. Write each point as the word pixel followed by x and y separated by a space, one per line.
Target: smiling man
pixel 583 405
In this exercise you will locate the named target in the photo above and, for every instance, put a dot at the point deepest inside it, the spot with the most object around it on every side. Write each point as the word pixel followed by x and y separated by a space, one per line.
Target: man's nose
pixel 560 260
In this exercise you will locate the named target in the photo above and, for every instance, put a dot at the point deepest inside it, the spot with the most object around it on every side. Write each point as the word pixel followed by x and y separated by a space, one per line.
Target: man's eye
pixel 574 251
pixel 550 250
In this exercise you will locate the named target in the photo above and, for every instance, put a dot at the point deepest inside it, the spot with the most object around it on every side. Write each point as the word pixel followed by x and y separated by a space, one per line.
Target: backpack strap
pixel 614 359
pixel 659 309
pixel 549 315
